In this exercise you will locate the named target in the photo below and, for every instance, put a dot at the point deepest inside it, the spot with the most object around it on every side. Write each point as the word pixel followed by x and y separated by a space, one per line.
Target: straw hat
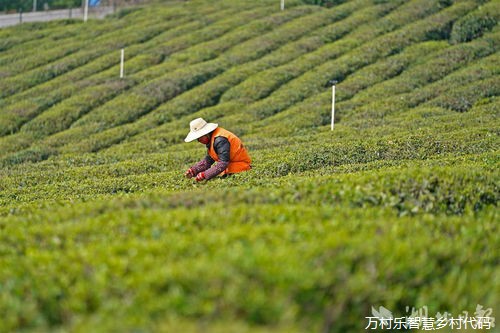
pixel 199 127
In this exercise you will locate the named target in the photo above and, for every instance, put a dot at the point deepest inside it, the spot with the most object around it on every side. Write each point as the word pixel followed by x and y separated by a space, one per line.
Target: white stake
pixel 282 4
pixel 333 103
pixel 122 58
pixel 86 11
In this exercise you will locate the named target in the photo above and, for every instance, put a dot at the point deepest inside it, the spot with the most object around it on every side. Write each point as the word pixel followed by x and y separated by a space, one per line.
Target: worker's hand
pixel 200 177
pixel 190 173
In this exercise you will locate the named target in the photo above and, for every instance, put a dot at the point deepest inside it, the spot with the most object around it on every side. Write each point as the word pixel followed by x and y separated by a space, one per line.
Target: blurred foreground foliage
pixel 398 206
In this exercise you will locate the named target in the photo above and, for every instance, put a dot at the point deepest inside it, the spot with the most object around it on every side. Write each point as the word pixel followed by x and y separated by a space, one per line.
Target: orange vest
pixel 239 160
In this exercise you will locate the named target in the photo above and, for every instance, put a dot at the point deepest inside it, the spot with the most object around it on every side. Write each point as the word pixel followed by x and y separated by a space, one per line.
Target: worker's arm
pixel 201 166
pixel 222 148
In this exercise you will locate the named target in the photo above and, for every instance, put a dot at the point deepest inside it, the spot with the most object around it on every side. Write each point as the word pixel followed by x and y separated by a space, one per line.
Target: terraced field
pixel 397 207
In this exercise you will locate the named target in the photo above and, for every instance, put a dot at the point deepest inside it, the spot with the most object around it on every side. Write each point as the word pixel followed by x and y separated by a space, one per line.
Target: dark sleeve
pixel 222 148
pixel 209 160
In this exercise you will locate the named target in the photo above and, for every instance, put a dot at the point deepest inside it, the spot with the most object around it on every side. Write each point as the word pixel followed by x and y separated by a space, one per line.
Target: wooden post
pixel 333 103
pixel 86 11
pixel 122 58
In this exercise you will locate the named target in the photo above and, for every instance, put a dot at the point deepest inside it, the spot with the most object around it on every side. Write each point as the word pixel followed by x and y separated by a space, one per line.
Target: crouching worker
pixel 224 147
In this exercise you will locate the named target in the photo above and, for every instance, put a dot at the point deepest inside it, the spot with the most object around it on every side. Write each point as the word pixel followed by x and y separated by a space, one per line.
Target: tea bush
pixel 248 249
pixel 256 87
pixel 53 98
pixel 433 69
pixel 101 231
pixel 314 80
pixel 247 51
pixel 476 23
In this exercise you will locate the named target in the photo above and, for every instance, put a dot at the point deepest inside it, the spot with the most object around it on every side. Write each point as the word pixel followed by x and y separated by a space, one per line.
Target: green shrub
pixel 245 52
pixel 327 3
pixel 50 93
pixel 386 210
pixel 319 51
pixel 22 82
pixel 462 99
pixel 314 81
pixel 476 23
pixel 57 89
pixel 124 12
pixel 431 70
pixel 28 155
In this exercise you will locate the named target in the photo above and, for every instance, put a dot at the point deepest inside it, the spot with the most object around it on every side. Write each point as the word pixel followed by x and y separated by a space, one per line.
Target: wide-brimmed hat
pixel 199 127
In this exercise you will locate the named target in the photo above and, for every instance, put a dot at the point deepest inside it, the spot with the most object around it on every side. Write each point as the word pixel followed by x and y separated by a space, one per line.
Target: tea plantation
pixel 396 207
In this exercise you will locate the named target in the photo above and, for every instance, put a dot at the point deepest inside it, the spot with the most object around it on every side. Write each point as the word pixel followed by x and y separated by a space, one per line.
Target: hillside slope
pixel 397 207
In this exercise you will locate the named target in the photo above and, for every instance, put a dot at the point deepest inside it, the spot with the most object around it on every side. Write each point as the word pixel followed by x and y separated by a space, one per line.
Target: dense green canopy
pixel 396 207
